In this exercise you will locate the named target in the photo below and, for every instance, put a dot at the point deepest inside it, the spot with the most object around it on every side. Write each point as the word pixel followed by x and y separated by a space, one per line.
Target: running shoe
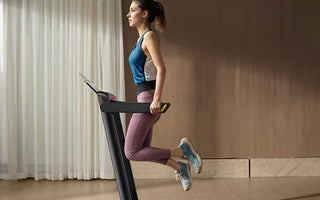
pixel 190 154
pixel 184 175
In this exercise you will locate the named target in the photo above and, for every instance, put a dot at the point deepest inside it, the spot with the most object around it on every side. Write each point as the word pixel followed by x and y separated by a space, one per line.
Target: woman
pixel 149 72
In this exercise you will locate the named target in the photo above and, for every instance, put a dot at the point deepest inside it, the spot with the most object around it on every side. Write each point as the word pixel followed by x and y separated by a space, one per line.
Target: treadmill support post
pixel 115 138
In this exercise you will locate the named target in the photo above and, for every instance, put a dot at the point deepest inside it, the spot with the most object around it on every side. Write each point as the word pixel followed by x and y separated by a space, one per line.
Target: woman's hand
pixel 155 107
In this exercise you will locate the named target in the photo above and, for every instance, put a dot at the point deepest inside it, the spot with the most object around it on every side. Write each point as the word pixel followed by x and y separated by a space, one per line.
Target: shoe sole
pixel 189 172
pixel 186 140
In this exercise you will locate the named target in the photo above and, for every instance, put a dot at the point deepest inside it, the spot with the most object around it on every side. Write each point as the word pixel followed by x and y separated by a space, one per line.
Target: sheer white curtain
pixel 50 122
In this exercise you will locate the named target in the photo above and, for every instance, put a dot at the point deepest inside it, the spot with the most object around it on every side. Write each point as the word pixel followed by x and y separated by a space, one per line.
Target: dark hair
pixel 156 12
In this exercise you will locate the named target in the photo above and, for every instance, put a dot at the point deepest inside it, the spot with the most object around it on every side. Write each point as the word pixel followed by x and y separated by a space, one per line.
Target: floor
pixel 167 189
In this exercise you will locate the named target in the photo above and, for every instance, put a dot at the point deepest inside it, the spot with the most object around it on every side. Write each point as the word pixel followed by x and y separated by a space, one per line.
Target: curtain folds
pixel 50 122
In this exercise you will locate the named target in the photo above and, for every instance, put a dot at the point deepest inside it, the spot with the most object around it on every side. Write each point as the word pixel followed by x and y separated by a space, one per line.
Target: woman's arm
pixel 151 47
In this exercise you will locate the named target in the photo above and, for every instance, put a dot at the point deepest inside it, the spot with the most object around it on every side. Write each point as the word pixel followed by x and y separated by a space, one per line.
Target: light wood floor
pixel 166 189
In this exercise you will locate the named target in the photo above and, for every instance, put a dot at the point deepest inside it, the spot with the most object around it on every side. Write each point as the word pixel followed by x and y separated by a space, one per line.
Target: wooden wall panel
pixel 243 77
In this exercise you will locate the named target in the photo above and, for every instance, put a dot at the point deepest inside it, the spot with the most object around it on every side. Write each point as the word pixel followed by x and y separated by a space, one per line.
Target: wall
pixel 243 77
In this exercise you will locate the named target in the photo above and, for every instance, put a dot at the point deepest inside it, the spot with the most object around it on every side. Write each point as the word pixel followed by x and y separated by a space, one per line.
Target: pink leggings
pixel 139 135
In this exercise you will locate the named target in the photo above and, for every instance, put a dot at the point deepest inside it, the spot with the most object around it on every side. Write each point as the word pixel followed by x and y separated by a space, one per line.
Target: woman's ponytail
pixel 160 17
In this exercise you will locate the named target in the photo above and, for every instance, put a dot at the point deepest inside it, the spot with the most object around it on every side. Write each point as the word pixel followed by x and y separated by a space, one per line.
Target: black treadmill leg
pixel 126 163
pixel 121 165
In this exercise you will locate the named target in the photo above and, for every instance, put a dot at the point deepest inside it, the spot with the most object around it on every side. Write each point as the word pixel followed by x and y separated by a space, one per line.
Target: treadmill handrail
pixel 125 107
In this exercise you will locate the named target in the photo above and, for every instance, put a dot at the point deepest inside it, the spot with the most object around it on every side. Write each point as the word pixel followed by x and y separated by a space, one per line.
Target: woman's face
pixel 135 15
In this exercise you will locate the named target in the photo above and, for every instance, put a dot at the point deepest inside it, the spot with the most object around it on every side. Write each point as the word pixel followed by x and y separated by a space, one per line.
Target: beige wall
pixel 243 77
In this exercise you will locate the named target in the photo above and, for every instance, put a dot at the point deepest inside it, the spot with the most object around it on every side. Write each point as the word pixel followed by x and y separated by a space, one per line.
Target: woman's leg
pixel 147 143
pixel 139 135
pixel 176 152
pixel 140 128
pixel 173 164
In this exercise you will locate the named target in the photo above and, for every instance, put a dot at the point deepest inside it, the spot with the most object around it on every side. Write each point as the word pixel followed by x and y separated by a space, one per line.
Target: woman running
pixel 149 72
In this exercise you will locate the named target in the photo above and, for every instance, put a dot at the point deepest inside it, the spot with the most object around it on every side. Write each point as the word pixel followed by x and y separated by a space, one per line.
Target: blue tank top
pixel 142 66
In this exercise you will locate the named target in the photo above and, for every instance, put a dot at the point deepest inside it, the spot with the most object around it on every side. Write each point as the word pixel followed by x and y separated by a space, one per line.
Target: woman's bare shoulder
pixel 151 36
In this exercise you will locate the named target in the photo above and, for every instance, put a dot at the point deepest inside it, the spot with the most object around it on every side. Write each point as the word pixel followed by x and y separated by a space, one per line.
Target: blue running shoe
pixel 190 154
pixel 184 175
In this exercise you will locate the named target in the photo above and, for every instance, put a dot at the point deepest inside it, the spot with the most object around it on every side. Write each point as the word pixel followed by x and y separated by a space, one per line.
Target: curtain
pixel 50 121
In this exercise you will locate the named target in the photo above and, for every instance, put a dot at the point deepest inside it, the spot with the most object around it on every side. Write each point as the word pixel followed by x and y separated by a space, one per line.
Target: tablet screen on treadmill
pixel 89 83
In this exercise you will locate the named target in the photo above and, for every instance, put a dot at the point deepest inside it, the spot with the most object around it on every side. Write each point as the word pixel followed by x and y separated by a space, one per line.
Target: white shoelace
pixel 179 176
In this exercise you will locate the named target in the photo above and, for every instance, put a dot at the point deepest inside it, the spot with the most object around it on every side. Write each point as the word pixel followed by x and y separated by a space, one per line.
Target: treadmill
pixel 110 109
